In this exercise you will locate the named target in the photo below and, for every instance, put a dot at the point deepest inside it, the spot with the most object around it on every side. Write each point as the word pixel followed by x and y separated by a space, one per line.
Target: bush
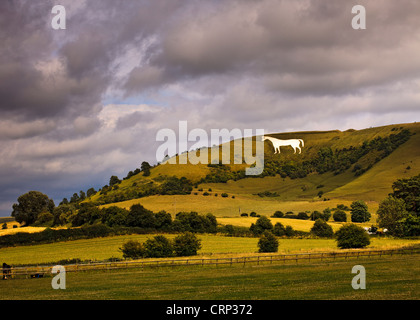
pixel 186 244
pixel 141 217
pixel 44 217
pixel 244 214
pixel 224 195
pixel 359 211
pixel 114 216
pixel 262 224
pixel 268 242
pixel 278 214
pixel 352 236
pixel 289 231
pixel 279 230
pixel 158 247
pixel 302 216
pixel 340 216
pixel 193 222
pixel 322 229
pixel 253 214
pixel 390 211
pixel 132 249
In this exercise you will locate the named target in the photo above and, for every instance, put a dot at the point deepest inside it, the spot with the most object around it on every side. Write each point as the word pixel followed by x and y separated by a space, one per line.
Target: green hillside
pixel 334 167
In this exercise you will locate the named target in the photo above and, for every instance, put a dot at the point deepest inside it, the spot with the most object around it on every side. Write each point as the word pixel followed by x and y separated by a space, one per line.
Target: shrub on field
pixel 186 244
pixel 290 232
pixel 359 211
pixel 340 216
pixel 262 224
pixel 132 249
pixel 322 229
pixel 114 216
pixel 352 236
pixel 193 222
pixel 279 230
pixel 158 247
pixel 278 214
pixel 268 242
pixel 303 216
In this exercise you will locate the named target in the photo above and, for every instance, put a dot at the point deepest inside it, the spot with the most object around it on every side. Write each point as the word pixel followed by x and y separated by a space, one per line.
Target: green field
pixel 105 248
pixel 388 278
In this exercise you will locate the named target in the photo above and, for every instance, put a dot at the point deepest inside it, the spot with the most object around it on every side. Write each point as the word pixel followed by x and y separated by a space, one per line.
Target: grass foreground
pixel 396 278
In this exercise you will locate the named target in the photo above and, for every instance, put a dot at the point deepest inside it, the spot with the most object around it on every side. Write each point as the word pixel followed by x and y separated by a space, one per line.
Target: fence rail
pixel 36 271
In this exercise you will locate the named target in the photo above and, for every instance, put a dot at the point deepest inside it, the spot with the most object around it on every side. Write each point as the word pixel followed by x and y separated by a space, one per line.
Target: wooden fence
pixel 38 271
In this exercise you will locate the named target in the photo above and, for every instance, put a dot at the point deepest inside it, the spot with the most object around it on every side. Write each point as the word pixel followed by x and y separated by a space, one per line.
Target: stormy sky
pixel 82 104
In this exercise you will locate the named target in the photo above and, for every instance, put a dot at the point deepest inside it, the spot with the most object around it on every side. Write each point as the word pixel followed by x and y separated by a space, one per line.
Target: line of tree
pixel 186 244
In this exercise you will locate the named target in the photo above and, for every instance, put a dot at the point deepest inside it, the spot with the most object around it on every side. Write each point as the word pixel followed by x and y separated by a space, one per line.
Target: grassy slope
pixel 294 194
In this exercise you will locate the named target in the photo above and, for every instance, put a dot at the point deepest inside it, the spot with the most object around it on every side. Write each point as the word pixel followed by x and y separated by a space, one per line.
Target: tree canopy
pixel 30 205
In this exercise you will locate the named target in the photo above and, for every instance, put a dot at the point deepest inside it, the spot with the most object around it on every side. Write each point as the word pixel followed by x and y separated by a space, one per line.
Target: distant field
pixel 11 230
pixel 104 248
pixel 387 278
pixel 296 224
pixel 228 207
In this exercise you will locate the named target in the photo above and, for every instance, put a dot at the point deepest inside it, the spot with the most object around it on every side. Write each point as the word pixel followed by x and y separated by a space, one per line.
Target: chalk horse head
pixel 296 144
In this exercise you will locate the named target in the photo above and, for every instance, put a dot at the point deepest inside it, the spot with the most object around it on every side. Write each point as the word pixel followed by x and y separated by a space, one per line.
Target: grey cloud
pixel 275 64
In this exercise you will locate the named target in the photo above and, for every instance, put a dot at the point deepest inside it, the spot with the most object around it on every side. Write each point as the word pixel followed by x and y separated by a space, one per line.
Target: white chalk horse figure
pixel 277 143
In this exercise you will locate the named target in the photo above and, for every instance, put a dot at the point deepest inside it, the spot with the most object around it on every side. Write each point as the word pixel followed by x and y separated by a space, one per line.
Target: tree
pixel 90 192
pixel 290 232
pixel 340 216
pixel 139 216
pixel 322 229
pixel 278 214
pixel 132 249
pixel 409 226
pixel 303 215
pixel 114 216
pixel 145 167
pixel 390 211
pixel 163 220
pixel 113 181
pixel 279 230
pixel 352 236
pixel 75 198
pixel 45 217
pixel 359 211
pixel 30 205
pixel 158 247
pixel 409 191
pixel 268 242
pixel 87 214
pixel 262 224
pixel 186 244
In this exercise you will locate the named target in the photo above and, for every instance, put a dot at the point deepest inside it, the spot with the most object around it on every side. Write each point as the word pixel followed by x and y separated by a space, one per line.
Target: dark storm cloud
pixel 297 47
pixel 274 64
